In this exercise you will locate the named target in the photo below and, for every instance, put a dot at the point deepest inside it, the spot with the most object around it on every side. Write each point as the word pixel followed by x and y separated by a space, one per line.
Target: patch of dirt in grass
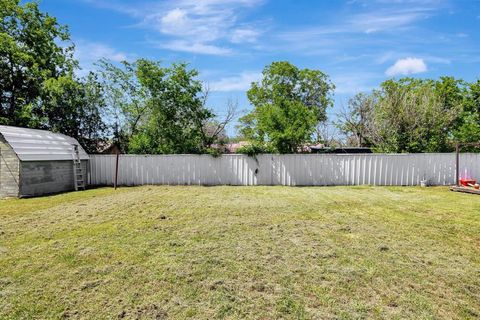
pixel 150 311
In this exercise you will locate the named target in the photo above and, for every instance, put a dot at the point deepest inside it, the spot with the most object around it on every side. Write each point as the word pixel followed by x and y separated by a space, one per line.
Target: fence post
pixel 116 171
pixel 457 164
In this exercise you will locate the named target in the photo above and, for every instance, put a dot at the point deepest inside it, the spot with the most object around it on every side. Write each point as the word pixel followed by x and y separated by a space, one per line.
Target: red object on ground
pixel 467 182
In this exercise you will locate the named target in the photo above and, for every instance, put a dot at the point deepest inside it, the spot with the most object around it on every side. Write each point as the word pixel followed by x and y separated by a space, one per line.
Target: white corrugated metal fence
pixel 290 170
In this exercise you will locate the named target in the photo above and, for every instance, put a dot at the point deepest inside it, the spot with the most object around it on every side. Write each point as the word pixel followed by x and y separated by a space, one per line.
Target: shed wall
pixel 44 177
pixel 9 171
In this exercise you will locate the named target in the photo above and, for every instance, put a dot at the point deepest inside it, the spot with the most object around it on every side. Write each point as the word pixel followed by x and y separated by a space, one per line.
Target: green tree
pixel 178 113
pixel 33 49
pixel 416 115
pixel 288 104
pixel 158 109
pixel 73 107
pixel 357 121
pixel 126 98
pixel 468 126
pixel 411 116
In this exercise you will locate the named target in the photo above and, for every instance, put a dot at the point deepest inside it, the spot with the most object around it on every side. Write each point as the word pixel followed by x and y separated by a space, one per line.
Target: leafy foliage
pixel 33 49
pixel 358 120
pixel 37 85
pixel 255 148
pixel 468 125
pixel 178 114
pixel 288 104
pixel 414 115
pixel 126 100
pixel 73 107
pixel 157 109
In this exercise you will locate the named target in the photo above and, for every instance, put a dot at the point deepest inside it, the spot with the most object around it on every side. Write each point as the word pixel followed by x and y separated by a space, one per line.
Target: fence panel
pixel 289 170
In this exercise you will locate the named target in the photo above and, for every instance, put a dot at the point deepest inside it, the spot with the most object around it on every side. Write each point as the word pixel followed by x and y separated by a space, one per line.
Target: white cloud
pixel 360 25
pixel 391 15
pixel 174 20
pixel 182 23
pixel 370 20
pixel 242 82
pixel 201 48
pixel 203 22
pixel 243 35
pixel 406 66
pixel 383 21
pixel 199 25
pixel 88 52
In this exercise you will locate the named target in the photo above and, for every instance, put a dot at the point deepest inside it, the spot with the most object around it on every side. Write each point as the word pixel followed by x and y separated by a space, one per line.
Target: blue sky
pixel 357 43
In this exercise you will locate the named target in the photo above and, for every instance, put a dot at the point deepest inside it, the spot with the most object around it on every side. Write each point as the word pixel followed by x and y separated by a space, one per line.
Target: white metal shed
pixel 35 162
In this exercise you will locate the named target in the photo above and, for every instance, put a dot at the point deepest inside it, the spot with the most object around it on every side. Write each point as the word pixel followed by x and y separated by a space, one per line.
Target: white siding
pixel 291 170
pixel 39 145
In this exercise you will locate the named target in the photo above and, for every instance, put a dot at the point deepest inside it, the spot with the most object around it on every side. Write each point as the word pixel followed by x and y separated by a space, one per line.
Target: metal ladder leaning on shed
pixel 78 176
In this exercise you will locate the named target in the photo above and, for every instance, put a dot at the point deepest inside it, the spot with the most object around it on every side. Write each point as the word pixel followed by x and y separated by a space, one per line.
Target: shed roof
pixel 39 145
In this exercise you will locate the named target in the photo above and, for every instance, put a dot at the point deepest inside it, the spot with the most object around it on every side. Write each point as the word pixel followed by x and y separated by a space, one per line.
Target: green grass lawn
pixel 242 252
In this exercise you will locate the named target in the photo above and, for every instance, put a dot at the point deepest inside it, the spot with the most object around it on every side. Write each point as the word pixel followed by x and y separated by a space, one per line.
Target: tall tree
pixel 468 126
pixel 357 121
pixel 73 107
pixel 288 104
pixel 33 49
pixel 413 115
pixel 158 109
pixel 178 114
pixel 126 98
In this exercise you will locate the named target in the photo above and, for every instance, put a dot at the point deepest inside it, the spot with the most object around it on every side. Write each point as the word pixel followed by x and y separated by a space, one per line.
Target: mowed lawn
pixel 159 252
